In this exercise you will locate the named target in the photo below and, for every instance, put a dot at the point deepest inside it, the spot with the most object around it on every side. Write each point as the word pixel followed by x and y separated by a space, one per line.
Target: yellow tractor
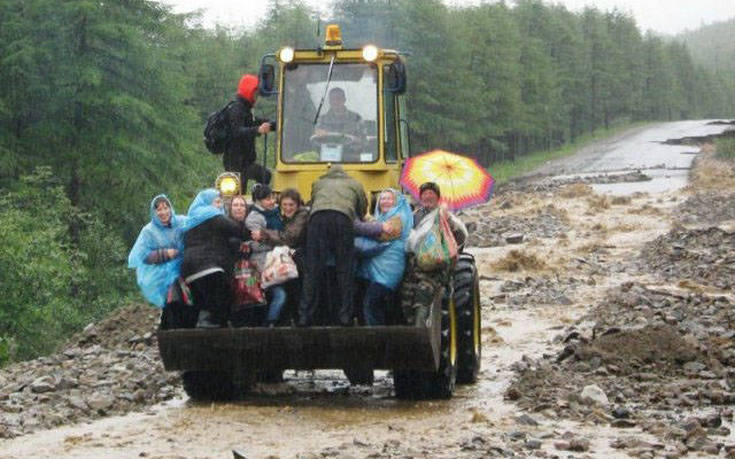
pixel 343 106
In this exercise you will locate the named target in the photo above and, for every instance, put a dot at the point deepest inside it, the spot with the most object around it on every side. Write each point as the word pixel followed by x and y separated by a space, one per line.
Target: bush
pixel 725 149
pixel 52 285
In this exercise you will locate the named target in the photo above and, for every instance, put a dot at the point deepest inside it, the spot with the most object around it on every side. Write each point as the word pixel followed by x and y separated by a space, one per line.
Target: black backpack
pixel 217 133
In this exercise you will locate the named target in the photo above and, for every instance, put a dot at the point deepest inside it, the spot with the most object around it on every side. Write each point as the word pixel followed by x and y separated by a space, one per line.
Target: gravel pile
pixel 533 291
pixel 705 256
pixel 662 361
pixel 706 209
pixel 112 367
pixel 492 231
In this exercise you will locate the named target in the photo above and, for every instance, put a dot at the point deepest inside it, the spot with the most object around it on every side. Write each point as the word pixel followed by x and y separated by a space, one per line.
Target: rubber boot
pixel 206 320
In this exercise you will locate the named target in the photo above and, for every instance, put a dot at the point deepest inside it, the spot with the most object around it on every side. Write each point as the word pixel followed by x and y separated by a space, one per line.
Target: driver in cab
pixel 338 120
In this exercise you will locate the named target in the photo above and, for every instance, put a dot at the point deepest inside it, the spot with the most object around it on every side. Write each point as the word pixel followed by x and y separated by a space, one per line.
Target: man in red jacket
pixel 239 155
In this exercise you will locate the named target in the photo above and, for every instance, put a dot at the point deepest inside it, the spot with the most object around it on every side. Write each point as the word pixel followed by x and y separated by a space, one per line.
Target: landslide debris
pixel 704 256
pixel 492 230
pixel 532 291
pixel 542 184
pixel 663 360
pixel 112 367
pixel 707 208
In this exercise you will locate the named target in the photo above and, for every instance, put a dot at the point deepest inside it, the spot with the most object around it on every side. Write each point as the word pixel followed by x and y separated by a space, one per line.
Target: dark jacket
pixel 336 190
pixel 240 152
pixel 293 233
pixel 207 245
pixel 236 241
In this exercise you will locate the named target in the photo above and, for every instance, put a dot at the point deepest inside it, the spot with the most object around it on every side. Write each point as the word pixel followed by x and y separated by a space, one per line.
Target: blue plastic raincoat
pixel 388 266
pixel 155 279
pixel 201 209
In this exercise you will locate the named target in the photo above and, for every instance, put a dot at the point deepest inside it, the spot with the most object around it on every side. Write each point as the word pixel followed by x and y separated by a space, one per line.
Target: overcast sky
pixel 663 16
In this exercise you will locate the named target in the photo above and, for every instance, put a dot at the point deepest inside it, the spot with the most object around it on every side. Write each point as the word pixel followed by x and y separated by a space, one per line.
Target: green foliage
pixel 51 286
pixel 725 149
pixel 713 45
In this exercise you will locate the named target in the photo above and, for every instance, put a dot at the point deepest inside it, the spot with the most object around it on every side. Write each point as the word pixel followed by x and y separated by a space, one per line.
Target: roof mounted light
pixel 333 35
pixel 370 53
pixel 285 55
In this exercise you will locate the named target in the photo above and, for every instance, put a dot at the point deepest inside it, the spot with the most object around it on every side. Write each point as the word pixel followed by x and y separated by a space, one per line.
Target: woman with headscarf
pixel 157 253
pixel 207 258
pixel 384 271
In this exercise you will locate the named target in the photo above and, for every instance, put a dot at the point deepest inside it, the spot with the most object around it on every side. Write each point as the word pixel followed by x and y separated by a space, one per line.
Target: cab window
pixel 344 129
pixel 389 140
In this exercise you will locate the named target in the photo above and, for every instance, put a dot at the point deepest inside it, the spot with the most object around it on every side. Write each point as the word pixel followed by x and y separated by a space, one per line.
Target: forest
pixel 712 45
pixel 102 106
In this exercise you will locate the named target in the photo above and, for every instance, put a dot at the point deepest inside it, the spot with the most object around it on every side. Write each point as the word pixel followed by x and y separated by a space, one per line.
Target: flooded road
pixel 534 294
pixel 643 149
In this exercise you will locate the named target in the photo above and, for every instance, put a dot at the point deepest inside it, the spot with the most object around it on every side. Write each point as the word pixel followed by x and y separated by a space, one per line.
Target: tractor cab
pixel 337 105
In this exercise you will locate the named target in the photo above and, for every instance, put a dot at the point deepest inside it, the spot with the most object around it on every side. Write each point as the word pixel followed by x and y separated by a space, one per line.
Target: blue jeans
pixel 278 299
pixel 374 304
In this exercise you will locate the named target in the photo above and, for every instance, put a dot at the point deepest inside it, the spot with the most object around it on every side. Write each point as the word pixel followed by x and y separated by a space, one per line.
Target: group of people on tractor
pixel 353 267
pixel 223 263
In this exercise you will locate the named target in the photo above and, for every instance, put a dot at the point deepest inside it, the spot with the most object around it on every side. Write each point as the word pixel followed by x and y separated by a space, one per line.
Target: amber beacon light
pixel 333 36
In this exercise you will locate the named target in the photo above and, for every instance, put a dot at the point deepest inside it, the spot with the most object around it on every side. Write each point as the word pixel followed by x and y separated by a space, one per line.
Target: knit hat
pixel 260 191
pixel 429 186
pixel 247 87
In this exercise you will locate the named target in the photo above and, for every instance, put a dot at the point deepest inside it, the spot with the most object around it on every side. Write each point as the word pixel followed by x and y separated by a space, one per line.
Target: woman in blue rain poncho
pixel 385 270
pixel 157 253
pixel 207 265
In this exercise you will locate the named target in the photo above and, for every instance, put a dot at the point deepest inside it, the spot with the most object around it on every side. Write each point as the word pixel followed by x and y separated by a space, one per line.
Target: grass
pixel 505 170
pixel 725 149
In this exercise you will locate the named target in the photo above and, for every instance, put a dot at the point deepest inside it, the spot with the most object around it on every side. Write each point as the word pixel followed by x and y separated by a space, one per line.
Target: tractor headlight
pixel 370 53
pixel 228 184
pixel 285 55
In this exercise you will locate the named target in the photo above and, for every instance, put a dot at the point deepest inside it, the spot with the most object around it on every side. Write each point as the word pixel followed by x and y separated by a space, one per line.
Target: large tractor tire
pixel 417 385
pixel 208 385
pixel 467 302
pixel 359 376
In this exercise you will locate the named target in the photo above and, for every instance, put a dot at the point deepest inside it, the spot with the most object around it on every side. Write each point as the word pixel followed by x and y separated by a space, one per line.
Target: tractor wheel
pixel 413 385
pixel 208 385
pixel 359 375
pixel 467 302
pixel 270 376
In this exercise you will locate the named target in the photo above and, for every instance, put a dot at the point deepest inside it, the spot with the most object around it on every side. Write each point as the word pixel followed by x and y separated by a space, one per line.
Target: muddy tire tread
pixel 426 385
pixel 208 385
pixel 468 361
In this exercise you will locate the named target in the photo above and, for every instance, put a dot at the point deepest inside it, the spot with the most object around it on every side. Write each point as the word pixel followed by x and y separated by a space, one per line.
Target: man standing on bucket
pixel 239 155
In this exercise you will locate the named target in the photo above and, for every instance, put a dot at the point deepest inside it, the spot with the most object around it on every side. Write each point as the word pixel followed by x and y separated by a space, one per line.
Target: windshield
pixel 345 128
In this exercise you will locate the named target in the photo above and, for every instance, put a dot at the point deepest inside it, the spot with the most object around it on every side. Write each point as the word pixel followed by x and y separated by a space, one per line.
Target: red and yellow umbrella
pixel 463 182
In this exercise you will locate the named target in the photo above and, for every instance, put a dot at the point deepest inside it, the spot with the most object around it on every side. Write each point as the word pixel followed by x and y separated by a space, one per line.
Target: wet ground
pixel 664 152
pixel 590 260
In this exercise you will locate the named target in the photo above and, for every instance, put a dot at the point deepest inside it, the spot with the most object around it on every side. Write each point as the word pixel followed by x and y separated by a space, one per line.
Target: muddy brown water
pixel 319 415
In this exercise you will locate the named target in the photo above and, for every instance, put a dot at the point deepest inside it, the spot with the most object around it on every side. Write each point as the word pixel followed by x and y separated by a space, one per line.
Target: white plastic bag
pixel 418 234
pixel 279 267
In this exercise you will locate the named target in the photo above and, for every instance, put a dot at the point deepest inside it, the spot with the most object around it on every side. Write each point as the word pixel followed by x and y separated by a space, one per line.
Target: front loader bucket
pixel 229 349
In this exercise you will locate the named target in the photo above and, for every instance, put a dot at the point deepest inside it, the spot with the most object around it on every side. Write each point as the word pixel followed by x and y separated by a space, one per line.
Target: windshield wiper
pixel 326 88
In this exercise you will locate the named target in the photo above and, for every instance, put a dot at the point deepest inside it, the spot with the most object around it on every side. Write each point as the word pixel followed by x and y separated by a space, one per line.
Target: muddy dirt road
pixel 607 331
